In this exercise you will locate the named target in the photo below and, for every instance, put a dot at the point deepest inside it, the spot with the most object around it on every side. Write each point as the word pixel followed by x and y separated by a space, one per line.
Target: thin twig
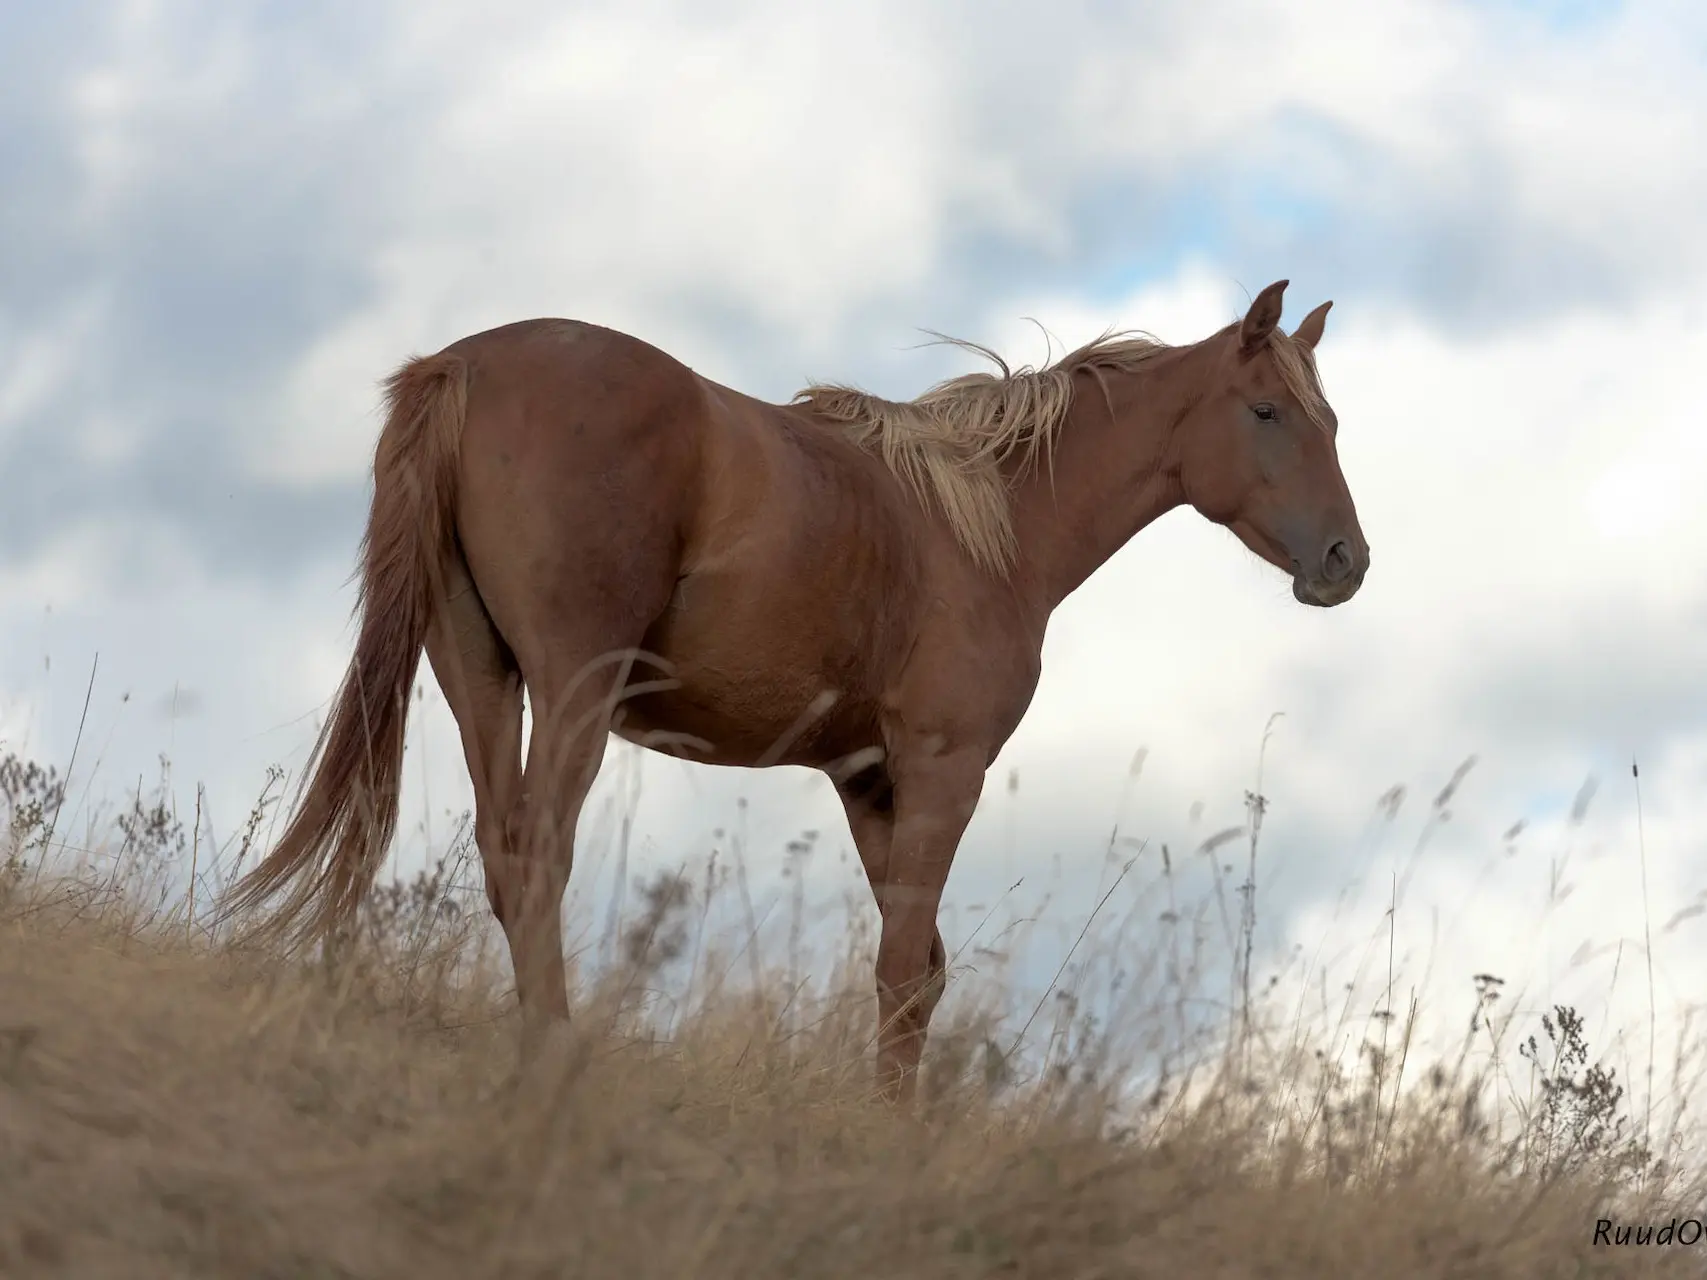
pixel 1648 948
pixel 88 693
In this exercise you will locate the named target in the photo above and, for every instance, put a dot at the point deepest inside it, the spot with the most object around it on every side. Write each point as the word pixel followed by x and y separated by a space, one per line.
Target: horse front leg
pixel 934 800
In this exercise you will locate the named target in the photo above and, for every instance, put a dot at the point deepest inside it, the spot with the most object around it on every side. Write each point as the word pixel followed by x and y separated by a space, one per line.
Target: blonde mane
pixel 950 445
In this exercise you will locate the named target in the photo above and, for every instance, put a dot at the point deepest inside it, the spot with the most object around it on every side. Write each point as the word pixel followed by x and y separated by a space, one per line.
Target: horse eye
pixel 1265 412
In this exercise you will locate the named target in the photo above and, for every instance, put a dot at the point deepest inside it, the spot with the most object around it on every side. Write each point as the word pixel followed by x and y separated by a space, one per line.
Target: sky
pixel 224 224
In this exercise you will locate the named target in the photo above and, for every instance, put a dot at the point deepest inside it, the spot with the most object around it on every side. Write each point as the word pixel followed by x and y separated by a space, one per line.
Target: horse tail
pixel 346 813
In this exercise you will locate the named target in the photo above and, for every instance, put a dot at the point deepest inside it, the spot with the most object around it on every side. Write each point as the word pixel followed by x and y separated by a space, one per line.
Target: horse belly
pixel 762 676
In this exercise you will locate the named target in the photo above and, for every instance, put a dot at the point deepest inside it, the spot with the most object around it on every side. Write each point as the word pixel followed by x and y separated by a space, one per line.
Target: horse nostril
pixel 1336 563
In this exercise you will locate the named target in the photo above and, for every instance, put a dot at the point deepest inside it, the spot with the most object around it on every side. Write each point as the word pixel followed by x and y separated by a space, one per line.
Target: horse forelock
pixel 1297 365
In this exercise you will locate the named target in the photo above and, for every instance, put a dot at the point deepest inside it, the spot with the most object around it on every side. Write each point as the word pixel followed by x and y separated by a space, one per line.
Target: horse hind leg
pixel 573 708
pixel 526 818
pixel 483 686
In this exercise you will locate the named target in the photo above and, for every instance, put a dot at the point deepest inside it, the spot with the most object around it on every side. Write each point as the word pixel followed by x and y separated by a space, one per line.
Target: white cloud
pixel 609 169
pixel 1580 128
pixel 39 363
pixel 796 163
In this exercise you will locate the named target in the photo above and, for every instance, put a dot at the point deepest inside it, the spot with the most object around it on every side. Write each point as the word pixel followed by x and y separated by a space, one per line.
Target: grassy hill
pixel 171 1105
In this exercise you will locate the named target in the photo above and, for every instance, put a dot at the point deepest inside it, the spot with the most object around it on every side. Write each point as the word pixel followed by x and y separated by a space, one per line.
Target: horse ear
pixel 1309 332
pixel 1261 319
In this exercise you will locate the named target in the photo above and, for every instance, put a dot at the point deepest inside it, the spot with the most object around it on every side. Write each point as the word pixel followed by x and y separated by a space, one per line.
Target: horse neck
pixel 1112 473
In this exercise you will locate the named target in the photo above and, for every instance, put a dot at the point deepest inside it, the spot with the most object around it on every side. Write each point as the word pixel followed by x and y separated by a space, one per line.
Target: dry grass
pixel 170 1106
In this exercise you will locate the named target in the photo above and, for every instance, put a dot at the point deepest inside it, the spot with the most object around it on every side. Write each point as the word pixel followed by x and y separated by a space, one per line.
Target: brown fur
pixel 855 585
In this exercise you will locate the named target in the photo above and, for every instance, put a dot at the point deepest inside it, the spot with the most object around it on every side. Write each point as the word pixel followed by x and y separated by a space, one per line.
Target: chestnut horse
pixel 856 585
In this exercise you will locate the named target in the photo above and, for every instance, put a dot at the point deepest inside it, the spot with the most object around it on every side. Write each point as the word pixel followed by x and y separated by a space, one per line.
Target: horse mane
pixel 950 445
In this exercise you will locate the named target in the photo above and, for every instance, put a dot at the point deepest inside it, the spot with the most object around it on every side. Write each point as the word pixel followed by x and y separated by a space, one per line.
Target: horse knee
pixel 904 966
pixel 514 823
pixel 518 865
